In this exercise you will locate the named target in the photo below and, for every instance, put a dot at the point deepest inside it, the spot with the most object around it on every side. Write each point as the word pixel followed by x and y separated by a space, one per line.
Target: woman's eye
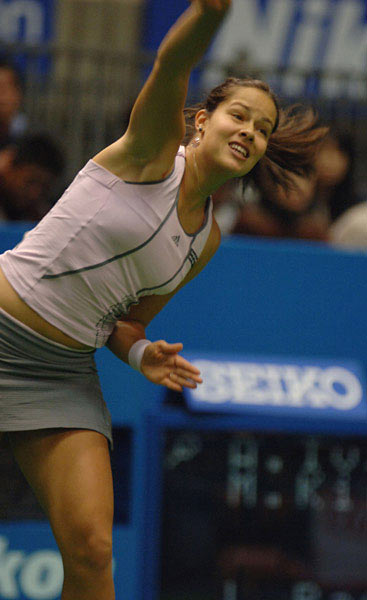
pixel 238 117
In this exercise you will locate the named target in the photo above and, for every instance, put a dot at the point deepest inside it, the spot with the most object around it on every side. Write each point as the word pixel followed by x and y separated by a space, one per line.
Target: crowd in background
pixel 322 207
pixel 31 162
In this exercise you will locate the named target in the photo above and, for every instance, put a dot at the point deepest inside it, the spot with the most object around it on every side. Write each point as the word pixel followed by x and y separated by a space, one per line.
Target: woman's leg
pixel 70 473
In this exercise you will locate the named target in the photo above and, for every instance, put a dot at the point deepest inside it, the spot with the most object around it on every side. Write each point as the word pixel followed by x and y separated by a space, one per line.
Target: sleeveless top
pixel 104 245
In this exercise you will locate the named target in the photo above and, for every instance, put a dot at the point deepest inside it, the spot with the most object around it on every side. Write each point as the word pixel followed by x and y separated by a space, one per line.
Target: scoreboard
pixel 263 515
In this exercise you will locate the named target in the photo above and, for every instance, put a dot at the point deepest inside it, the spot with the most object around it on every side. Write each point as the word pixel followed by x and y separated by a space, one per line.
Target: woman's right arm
pixel 160 357
pixel 157 125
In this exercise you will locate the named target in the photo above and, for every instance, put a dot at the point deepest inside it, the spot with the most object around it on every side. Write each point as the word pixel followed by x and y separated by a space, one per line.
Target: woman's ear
pixel 201 119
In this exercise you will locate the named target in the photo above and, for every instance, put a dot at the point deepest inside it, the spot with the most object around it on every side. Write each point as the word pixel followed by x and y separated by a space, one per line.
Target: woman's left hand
pixel 162 365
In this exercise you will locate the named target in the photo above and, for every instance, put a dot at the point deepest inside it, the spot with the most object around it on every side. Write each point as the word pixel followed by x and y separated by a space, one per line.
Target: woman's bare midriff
pixel 12 304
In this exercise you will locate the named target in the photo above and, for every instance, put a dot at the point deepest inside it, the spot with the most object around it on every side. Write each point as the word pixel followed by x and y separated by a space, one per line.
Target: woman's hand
pixel 162 365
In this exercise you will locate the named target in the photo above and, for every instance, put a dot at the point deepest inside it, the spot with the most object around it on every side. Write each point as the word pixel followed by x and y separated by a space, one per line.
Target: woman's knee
pixel 89 548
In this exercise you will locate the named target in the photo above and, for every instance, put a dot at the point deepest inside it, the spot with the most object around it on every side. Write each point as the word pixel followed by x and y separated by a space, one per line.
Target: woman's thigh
pixel 70 473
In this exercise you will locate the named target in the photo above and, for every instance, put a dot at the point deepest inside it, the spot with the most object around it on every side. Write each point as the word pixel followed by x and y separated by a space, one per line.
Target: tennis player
pixel 134 226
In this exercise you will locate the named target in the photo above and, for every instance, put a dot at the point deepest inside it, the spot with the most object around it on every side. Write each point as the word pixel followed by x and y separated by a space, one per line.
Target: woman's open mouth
pixel 239 150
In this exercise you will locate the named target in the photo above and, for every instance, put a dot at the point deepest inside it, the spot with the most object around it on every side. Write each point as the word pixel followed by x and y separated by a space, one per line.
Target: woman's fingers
pixel 177 361
pixel 182 363
pixel 184 378
pixel 184 373
pixel 166 366
pixel 188 374
pixel 177 382
pixel 171 385
pixel 167 348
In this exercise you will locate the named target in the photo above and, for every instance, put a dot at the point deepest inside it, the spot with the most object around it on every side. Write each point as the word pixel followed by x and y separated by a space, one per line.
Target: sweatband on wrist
pixel 136 353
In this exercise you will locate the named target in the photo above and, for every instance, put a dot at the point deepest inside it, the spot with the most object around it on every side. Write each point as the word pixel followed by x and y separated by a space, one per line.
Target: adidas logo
pixel 176 239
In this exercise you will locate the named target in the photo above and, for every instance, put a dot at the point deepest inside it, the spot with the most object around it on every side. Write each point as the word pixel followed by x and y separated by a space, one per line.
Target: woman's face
pixel 235 135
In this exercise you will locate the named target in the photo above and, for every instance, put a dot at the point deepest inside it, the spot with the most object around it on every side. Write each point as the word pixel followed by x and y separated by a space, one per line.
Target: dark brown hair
pixel 292 145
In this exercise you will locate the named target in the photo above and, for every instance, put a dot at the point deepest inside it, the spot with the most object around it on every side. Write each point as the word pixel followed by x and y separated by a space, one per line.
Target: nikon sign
pixel 297 36
pixel 328 36
pixel 28 21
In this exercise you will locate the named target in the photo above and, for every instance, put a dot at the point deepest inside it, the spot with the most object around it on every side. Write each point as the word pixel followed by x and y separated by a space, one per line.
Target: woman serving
pixel 134 226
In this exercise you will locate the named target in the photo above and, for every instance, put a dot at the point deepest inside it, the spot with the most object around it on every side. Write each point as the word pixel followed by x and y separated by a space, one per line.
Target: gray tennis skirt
pixel 45 385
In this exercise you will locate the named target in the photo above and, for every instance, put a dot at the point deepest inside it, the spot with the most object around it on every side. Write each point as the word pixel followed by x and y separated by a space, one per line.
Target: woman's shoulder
pixel 129 165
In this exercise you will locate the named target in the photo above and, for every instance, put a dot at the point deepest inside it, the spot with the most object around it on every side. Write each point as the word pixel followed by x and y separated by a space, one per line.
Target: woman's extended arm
pixel 157 124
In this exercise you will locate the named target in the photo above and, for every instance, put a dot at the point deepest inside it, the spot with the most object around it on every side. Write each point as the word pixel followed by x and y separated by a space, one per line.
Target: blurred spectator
pixel 29 169
pixel 309 207
pixel 350 230
pixel 271 212
pixel 334 170
pixel 13 122
pixel 348 211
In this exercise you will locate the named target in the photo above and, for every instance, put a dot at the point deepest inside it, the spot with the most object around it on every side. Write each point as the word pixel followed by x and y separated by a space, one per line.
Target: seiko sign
pixel 317 387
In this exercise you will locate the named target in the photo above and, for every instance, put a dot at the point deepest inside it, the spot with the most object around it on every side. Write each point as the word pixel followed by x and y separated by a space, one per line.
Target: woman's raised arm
pixel 156 124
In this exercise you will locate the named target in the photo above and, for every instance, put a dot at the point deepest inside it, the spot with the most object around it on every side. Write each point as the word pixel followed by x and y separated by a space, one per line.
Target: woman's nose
pixel 248 135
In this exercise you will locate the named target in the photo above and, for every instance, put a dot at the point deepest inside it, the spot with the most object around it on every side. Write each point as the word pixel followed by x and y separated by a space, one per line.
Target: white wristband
pixel 136 353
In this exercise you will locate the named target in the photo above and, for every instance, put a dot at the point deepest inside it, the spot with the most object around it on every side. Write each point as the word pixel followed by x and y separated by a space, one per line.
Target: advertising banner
pixel 299 36
pixel 27 21
pixel 312 389
pixel 31 566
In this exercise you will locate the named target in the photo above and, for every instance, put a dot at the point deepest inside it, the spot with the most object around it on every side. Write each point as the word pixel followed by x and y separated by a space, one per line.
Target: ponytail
pixel 292 148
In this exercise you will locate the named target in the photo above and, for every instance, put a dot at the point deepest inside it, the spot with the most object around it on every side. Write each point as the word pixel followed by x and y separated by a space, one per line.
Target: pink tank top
pixel 104 245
